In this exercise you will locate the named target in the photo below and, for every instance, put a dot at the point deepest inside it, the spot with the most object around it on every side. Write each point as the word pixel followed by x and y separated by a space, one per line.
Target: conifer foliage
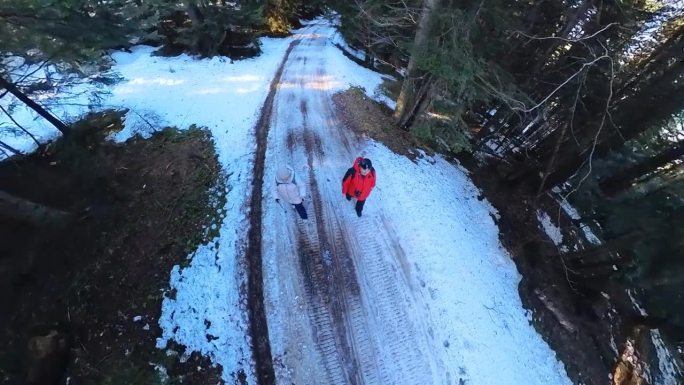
pixel 69 30
pixel 210 28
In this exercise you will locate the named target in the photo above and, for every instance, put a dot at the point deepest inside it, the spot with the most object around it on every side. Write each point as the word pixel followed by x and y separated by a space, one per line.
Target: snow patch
pixel 574 214
pixel 669 372
pixel 205 314
pixel 161 372
pixel 553 231
pixel 453 244
pixel 356 75
pixel 636 303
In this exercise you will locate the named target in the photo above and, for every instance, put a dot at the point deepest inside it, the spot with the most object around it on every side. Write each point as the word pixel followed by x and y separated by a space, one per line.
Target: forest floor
pixel 82 302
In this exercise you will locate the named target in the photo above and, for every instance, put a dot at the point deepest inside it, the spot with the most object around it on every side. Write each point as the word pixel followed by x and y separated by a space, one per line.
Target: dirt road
pixel 337 295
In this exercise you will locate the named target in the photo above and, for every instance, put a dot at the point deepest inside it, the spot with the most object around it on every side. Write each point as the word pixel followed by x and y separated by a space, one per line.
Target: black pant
pixel 301 210
pixel 359 207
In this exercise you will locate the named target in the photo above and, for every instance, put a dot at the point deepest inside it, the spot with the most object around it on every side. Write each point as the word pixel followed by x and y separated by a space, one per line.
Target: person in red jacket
pixel 358 182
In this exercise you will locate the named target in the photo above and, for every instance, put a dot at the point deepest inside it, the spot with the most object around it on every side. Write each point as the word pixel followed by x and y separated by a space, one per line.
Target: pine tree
pixel 415 88
pixel 622 180
pixel 210 28
pixel 281 16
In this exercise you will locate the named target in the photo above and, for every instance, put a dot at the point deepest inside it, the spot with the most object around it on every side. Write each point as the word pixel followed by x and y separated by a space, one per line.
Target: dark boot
pixel 301 210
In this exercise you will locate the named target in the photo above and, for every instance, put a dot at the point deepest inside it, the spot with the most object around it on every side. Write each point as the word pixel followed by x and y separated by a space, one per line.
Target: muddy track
pixel 351 323
pixel 332 287
pixel 321 255
pixel 381 306
pixel 257 317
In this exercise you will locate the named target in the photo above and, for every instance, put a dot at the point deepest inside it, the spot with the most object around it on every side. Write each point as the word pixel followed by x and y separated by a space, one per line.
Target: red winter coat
pixel 354 182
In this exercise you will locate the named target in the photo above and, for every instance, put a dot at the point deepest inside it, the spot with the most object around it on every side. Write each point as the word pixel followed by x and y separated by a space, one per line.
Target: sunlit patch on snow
pixel 303 36
pixel 208 91
pixel 246 90
pixel 320 83
pixel 156 82
pixel 241 78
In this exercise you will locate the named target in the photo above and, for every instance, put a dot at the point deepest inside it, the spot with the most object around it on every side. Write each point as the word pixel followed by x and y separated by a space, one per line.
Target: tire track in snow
pixel 363 328
pixel 342 352
pixel 314 260
pixel 357 320
pixel 355 346
pixel 385 276
pixel 399 348
pixel 258 326
pixel 318 297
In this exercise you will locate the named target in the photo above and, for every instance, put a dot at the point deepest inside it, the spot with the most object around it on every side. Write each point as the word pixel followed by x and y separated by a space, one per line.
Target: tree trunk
pixel 414 89
pixel 194 13
pixel 9 148
pixel 573 19
pixel 200 40
pixel 34 106
pixel 32 213
pixel 554 156
pixel 672 46
pixel 368 58
pixel 632 119
pixel 417 102
pixel 617 183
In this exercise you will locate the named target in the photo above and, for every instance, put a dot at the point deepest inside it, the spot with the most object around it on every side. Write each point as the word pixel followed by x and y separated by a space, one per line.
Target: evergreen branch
pixel 32 17
pixel 19 125
pixel 26 76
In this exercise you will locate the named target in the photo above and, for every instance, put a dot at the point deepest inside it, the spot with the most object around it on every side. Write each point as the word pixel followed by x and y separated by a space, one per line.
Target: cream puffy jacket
pixel 287 190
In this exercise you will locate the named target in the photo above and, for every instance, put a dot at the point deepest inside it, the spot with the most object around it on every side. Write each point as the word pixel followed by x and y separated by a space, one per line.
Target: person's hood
pixel 357 168
pixel 356 164
pixel 285 174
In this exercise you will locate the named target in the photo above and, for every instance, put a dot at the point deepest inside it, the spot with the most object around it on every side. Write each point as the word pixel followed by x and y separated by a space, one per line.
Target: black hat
pixel 365 163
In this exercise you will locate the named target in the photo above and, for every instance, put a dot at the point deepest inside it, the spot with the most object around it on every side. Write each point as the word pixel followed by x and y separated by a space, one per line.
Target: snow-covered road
pixel 417 291
pixel 336 294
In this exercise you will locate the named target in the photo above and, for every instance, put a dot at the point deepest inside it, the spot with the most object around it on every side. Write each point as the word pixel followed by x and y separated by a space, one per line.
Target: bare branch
pixel 589 159
pixel 521 33
pixel 585 65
